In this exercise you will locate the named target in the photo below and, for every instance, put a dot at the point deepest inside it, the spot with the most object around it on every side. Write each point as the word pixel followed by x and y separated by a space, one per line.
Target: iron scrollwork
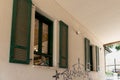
pixel 77 70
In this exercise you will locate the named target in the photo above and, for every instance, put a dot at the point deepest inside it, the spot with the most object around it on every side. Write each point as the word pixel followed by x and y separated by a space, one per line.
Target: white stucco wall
pixel 11 71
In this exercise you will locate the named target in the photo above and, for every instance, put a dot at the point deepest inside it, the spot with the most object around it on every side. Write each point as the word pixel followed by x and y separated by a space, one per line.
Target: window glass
pixel 45 38
pixel 36 34
pixel 43 41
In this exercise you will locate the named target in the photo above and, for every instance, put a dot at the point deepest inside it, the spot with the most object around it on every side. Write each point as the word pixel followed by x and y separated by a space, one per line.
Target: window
pixel 91 57
pixel 20 34
pixel 43 41
pixel 43 37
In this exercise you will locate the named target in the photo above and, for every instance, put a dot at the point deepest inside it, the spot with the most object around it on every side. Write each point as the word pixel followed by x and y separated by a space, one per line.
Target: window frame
pixel 43 19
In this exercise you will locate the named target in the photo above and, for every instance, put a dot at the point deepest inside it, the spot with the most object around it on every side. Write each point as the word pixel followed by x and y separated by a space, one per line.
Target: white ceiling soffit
pixel 101 17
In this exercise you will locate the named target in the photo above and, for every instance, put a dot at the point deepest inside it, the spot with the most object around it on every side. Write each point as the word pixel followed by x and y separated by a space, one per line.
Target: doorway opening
pixel 112 60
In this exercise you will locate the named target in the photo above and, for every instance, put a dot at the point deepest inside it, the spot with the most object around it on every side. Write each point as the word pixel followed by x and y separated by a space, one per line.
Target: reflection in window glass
pixel 41 60
pixel 44 38
pixel 36 33
pixel 40 32
pixel 43 41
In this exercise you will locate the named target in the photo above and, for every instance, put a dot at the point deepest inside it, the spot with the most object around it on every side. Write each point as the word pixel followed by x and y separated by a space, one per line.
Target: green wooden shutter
pixel 20 34
pixel 63 48
pixel 87 54
pixel 97 58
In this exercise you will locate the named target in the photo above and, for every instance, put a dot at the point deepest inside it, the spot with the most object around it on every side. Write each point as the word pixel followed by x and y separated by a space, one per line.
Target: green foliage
pixel 114 46
pixel 117 47
pixel 110 46
pixel 109 73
